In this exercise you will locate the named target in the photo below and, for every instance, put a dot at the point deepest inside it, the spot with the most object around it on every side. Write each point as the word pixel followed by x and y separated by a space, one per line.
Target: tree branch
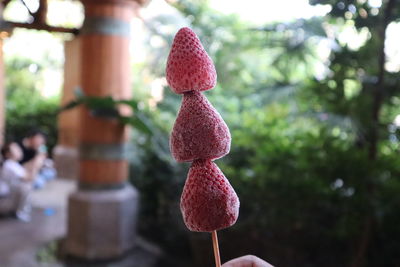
pixel 27 8
pixel 379 88
pixel 5 3
pixel 377 97
pixel 41 14
pixel 39 26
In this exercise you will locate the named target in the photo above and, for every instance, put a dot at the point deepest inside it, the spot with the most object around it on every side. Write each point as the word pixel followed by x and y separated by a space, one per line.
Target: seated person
pixel 32 144
pixel 35 158
pixel 18 180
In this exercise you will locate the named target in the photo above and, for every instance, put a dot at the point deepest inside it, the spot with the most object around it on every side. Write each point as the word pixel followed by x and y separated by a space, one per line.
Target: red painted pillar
pixel 66 154
pixel 102 214
pixel 105 71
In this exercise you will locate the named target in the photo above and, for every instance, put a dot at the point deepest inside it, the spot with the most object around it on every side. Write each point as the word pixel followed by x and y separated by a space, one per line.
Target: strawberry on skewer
pixel 208 201
pixel 189 68
pixel 199 131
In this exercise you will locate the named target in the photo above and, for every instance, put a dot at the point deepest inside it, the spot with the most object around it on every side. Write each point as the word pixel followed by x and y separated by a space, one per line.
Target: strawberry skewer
pixel 200 135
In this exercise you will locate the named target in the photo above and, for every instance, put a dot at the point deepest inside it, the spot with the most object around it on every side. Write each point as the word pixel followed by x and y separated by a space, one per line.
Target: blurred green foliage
pixel 26 108
pixel 314 139
pixel 314 144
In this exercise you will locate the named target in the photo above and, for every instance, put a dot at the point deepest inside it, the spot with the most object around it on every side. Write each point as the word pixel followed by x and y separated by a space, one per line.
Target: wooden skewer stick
pixel 216 249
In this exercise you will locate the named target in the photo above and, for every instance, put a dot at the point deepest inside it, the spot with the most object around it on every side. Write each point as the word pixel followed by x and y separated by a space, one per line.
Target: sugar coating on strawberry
pixel 188 66
pixel 199 131
pixel 208 201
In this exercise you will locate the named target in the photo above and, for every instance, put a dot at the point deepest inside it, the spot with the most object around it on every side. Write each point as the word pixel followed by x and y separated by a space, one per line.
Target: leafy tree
pixel 249 81
pixel 361 89
pixel 313 157
pixel 26 109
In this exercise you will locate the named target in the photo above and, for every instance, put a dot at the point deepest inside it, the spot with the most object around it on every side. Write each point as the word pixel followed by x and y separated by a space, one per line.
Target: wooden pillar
pixel 68 124
pixel 102 214
pixel 66 152
pixel 105 72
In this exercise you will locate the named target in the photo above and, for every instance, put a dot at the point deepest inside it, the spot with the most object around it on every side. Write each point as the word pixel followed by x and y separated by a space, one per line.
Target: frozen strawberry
pixel 188 66
pixel 208 201
pixel 199 131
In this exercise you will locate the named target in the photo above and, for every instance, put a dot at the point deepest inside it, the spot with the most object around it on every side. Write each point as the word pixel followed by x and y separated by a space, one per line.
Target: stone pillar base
pixel 102 224
pixel 66 161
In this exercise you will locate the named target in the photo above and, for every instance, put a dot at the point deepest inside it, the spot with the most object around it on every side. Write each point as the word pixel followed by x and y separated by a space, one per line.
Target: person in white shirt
pixel 18 179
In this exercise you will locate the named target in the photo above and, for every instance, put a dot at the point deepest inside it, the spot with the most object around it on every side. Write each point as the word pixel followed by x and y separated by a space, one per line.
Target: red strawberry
pixel 199 131
pixel 188 66
pixel 208 201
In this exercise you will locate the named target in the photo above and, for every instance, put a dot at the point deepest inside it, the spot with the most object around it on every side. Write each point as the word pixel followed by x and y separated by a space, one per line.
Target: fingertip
pixel 247 261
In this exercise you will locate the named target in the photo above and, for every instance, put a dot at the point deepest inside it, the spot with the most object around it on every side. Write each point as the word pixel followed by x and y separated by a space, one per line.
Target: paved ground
pixel 20 241
pixel 33 244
